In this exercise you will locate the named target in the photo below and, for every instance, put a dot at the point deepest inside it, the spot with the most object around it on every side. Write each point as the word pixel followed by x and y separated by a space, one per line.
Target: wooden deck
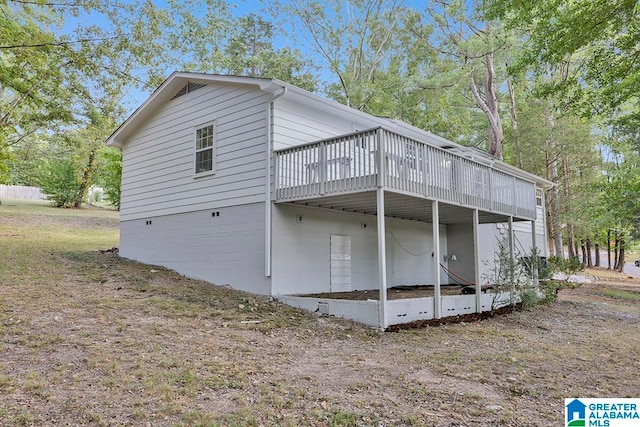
pixel 364 161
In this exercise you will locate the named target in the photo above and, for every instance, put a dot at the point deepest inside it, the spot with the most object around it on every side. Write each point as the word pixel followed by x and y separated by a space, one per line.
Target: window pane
pixel 204 137
pixel 204 161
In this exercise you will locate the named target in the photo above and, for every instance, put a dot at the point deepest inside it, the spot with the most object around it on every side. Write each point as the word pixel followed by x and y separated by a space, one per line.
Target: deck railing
pixel 363 160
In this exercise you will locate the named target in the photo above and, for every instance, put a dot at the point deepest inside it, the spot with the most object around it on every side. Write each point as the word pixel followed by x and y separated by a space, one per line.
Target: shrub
pixel 59 182
pixel 529 298
pixel 550 291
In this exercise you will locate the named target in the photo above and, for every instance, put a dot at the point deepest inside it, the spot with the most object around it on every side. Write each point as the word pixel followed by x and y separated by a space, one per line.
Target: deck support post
pixel 382 259
pixel 534 252
pixel 437 301
pixel 476 258
pixel 512 278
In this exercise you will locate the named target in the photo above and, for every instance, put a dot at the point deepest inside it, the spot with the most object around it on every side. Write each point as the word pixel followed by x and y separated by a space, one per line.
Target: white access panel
pixel 340 250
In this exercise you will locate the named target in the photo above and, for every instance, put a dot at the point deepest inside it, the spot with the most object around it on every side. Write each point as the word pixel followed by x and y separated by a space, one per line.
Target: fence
pixel 21 192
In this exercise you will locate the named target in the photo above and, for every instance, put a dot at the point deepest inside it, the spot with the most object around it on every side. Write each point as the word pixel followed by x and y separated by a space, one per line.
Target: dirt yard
pixel 87 338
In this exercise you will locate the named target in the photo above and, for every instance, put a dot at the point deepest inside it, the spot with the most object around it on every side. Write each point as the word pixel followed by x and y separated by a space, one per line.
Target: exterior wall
pixel 365 312
pixel 158 160
pixel 460 238
pixel 300 260
pixel 226 249
pixel 296 124
pixel 491 234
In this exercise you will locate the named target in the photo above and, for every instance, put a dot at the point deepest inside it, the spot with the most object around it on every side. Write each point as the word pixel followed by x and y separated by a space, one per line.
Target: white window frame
pixel 211 148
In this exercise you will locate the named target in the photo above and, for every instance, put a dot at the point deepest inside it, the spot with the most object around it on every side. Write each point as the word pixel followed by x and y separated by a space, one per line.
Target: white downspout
pixel 267 193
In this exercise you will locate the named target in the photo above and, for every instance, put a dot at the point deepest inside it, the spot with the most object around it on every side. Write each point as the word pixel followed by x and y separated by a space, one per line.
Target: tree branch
pixel 61 43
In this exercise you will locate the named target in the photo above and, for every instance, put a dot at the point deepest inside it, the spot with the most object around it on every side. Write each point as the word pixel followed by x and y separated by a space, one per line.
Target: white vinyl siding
pixel 159 159
pixel 296 124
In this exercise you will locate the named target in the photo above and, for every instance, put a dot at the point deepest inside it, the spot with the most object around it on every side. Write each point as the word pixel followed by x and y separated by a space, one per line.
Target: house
pixel 576 410
pixel 260 185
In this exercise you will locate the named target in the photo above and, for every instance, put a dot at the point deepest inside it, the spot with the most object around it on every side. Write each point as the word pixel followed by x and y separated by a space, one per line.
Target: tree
pixel 561 148
pixel 89 141
pixel 249 51
pixel 53 78
pixel 59 181
pixel 208 38
pixel 620 186
pixel 600 35
pixel 50 75
pixel 109 174
pixel 479 49
pixel 357 42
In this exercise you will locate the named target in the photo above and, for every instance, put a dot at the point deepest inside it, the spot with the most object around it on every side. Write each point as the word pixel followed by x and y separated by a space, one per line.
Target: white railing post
pixel 322 167
pixel 490 183
pixel 276 176
pixel 514 197
pixel 380 138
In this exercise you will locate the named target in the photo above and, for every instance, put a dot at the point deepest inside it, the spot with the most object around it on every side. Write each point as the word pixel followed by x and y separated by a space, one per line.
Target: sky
pixel 136 96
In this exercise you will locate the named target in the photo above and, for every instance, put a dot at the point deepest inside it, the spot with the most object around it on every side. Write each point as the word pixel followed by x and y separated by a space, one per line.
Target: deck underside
pixel 402 206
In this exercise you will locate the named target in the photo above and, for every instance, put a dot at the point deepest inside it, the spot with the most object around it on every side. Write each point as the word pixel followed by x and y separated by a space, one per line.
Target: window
pixel 204 149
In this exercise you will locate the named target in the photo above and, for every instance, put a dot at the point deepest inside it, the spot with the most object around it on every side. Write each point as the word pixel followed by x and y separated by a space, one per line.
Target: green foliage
pixel 593 44
pixel 568 266
pixel 506 273
pixel 109 174
pixel 208 38
pixel 60 182
pixel 529 298
pixel 620 183
pixel 550 291
pixel 249 51
pixel 551 287
pixel 5 158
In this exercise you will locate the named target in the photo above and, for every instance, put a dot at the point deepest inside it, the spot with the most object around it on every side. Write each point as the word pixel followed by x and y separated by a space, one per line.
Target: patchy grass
pixel 87 338
pixel 622 294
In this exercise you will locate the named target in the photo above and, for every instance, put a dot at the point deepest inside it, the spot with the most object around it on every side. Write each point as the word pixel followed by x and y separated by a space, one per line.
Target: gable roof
pixel 171 87
pixel 177 81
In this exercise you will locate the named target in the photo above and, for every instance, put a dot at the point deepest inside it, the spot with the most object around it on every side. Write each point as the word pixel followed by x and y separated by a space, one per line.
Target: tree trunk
pixel 571 243
pixel 575 247
pixel 550 230
pixel 597 253
pixel 609 266
pixel 620 242
pixel 588 247
pixel 514 124
pixel 553 201
pixel 489 106
pixel 87 174
pixel 583 249
pixel 615 250
pixel 555 212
